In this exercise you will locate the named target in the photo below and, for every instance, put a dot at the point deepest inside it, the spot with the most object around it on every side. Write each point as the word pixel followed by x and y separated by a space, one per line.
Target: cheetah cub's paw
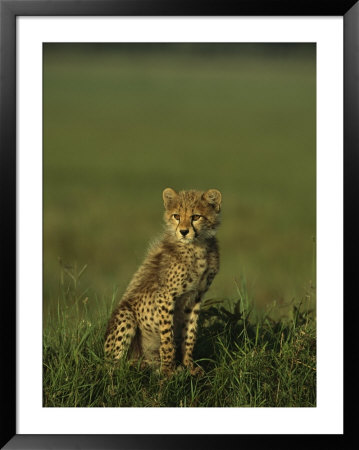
pixel 166 371
pixel 197 372
pixel 192 370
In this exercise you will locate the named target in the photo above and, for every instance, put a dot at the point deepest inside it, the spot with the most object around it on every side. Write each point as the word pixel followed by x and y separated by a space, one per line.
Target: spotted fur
pixel 158 313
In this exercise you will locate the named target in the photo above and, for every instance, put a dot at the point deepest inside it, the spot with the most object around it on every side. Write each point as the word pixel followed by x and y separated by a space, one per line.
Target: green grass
pixel 250 360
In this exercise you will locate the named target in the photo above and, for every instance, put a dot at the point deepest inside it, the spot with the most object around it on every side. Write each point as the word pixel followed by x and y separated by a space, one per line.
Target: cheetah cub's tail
pixel 120 333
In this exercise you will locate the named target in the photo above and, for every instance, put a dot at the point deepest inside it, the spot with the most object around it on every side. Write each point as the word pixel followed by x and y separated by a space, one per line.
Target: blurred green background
pixel 124 121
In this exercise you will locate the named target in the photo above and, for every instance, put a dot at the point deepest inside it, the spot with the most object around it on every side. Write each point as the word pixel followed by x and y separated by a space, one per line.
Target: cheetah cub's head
pixel 191 215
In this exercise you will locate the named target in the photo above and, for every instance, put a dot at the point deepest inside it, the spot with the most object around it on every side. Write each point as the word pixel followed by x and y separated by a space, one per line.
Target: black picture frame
pixel 9 10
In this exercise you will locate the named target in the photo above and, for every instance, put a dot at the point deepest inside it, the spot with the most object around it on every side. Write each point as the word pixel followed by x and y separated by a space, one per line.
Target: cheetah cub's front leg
pixel 189 332
pixel 165 303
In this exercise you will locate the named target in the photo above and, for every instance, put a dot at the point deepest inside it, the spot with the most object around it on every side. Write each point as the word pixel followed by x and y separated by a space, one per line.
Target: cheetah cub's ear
pixel 169 197
pixel 214 198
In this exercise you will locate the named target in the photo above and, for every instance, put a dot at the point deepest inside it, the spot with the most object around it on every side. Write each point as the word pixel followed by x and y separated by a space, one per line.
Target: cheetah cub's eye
pixel 176 216
pixel 196 217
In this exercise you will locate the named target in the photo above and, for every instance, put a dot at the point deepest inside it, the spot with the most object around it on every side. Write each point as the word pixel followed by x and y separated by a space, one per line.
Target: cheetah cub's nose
pixel 184 232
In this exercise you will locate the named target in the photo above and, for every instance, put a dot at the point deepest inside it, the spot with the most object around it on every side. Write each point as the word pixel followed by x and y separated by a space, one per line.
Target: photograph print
pixel 179 225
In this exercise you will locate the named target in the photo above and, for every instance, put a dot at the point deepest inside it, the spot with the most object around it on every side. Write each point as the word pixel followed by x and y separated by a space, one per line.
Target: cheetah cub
pixel 156 319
